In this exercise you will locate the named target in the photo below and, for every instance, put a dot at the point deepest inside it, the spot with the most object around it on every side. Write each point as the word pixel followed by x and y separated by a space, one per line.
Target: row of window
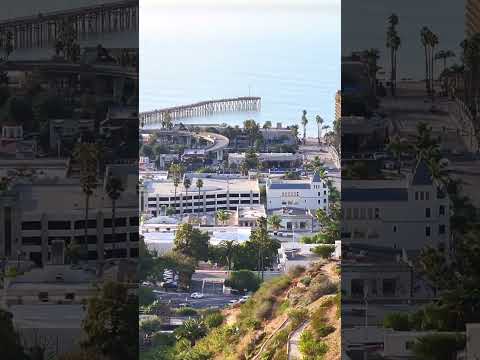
pixel 196 197
pixel 360 213
pixel 319 187
pixel 197 204
pixel 361 234
pixel 92 239
pixel 79 224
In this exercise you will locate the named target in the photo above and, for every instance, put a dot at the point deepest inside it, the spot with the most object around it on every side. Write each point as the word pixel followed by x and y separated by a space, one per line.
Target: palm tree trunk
pixel 427 84
pixel 85 227
pixel 114 205
pixel 392 69
pixel 175 200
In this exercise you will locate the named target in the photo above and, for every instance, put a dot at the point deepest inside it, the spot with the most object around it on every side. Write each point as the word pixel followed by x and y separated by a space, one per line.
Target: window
pixel 427 231
pixel 31 225
pixel 394 228
pixel 389 286
pixel 324 192
pixel 80 224
pixel 441 210
pixel 319 194
pixel 377 213
pixel 441 229
pixel 31 240
pixel 421 195
pixel 134 221
pixel 370 213
pixel 427 196
pixel 59 225
pixel 416 195
pixel 427 212
pixel 324 200
pixel 409 345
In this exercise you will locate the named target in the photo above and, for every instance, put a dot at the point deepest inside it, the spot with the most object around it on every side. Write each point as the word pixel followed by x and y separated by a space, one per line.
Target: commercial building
pixel 215 194
pixel 41 218
pixel 407 214
pixel 308 194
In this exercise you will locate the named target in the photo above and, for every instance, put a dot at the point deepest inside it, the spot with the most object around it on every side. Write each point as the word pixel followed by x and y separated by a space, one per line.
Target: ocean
pixel 289 55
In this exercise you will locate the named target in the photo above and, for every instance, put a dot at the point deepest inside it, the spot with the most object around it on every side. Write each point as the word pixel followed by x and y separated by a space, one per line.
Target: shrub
pixel 323 330
pixel 438 346
pixel 310 348
pixel 318 290
pixel 186 311
pixel 145 296
pixel 214 319
pixel 264 310
pixel 149 326
pixel 306 280
pixel 163 339
pixel 296 271
pixel 243 280
pixel 397 321
pixel 324 251
pixel 297 316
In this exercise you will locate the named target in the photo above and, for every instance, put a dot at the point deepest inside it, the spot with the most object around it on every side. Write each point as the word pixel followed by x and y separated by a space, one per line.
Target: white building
pixel 309 194
pixel 214 195
pixel 408 214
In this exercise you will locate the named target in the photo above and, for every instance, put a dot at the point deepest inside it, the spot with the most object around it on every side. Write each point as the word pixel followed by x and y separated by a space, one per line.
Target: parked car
pixel 196 295
pixel 169 285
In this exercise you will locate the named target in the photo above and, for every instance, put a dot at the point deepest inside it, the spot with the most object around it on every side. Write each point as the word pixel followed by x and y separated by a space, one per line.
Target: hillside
pixel 290 317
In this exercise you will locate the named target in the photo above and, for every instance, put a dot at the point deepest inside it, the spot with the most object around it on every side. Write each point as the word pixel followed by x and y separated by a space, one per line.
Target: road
pixel 209 300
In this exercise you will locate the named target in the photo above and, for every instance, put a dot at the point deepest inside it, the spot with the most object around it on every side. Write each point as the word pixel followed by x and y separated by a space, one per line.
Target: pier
pixel 44 29
pixel 204 108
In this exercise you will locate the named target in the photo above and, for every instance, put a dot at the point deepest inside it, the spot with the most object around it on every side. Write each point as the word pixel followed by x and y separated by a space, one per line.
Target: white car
pixel 196 295
pixel 233 302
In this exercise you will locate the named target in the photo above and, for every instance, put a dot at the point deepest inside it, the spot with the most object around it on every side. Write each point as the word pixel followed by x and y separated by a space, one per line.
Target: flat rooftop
pixel 251 212
pixel 209 185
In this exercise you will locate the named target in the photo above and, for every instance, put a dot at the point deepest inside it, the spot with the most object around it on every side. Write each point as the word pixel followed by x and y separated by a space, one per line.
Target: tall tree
pixel 9 339
pixel 393 43
pixel 199 185
pixel 114 189
pixel 275 221
pixel 191 242
pixel 304 123
pixel 319 121
pixel 86 155
pixel 111 323
pixel 186 184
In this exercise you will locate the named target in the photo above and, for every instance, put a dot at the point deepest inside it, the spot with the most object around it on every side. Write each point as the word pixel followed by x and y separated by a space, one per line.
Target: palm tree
pixel 252 129
pixel 199 185
pixel 186 184
pixel 87 156
pixel 393 43
pixel 319 121
pixel 304 123
pixel 114 189
pixel 267 125
pixel 372 56
pixel 192 330
pixel 444 55
pixel 397 147
pixel 222 216
pixel 176 170
pixel 275 221
pixel 433 43
pixel 424 38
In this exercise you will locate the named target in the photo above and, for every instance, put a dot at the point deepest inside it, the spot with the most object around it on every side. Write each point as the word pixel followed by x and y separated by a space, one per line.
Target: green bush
pixel 310 348
pixel 306 280
pixel 319 289
pixel 397 321
pixel 323 330
pixel 324 251
pixel 438 346
pixel 297 316
pixel 145 296
pixel 149 326
pixel 243 280
pixel 214 319
pixel 186 311
pixel 163 339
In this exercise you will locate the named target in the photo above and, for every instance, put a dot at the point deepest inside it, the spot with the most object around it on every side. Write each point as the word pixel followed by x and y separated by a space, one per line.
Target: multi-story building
pixel 215 194
pixel 40 219
pixel 308 194
pixel 408 213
